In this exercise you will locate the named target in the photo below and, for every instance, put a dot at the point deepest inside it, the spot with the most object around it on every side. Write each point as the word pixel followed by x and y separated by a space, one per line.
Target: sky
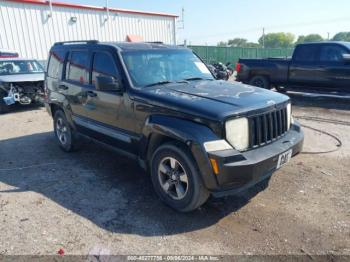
pixel 209 22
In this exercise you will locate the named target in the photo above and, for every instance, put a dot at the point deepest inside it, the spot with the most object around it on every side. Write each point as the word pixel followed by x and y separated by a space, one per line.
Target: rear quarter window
pixel 56 61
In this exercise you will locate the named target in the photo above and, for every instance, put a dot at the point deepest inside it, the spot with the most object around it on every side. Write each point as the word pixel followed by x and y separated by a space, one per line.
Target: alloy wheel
pixel 61 131
pixel 173 178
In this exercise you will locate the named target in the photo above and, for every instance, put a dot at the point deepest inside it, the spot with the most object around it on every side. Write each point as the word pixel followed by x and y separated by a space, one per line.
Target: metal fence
pixel 212 54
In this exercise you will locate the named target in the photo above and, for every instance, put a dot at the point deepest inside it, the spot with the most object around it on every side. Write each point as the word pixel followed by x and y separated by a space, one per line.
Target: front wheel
pixel 260 81
pixel 176 178
pixel 3 107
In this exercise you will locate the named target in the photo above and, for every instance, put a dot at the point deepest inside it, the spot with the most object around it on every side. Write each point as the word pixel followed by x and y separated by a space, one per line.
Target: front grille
pixel 267 127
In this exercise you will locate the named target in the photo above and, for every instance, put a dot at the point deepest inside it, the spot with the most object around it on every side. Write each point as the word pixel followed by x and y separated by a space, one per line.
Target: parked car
pixel 320 65
pixel 21 81
pixel 5 53
pixel 161 106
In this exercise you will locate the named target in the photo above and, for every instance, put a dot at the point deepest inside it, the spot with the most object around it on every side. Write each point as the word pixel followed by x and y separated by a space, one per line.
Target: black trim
pixel 103 129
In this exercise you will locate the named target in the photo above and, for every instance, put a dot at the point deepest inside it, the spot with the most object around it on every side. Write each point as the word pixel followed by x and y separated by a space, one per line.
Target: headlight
pixel 289 115
pixel 237 133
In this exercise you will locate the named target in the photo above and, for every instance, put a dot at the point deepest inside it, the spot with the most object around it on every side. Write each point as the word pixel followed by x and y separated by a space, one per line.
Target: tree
pixel 277 40
pixel 237 42
pixel 309 38
pixel 222 44
pixel 241 42
pixel 251 44
pixel 342 36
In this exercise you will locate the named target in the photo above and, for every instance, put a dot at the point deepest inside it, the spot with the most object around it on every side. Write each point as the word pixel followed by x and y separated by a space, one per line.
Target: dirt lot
pixel 96 202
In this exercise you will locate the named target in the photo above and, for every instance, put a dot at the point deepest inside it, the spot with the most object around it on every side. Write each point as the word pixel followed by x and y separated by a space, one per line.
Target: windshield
pixel 13 67
pixel 149 67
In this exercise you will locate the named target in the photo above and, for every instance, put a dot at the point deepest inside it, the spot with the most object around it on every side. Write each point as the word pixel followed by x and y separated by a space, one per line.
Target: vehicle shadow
pixel 99 185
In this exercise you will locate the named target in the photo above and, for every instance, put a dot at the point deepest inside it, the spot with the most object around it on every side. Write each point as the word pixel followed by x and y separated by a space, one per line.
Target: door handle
pixel 63 87
pixel 91 93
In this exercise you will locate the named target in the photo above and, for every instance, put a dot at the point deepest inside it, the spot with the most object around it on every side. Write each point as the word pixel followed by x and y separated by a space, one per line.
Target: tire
pixel 260 81
pixel 67 138
pixel 167 163
pixel 3 107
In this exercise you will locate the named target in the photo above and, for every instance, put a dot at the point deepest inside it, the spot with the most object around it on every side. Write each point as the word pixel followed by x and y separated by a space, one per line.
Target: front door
pixel 336 71
pixel 305 69
pixel 109 113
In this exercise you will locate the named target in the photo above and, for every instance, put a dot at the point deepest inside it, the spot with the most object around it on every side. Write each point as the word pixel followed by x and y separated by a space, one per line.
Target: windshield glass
pixel 149 67
pixel 12 67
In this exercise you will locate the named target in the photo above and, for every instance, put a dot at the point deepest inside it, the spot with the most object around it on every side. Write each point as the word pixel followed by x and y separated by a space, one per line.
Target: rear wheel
pixel 67 138
pixel 260 81
pixel 176 178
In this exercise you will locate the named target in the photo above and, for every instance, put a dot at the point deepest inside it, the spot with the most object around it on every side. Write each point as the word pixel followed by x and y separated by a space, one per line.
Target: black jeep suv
pixel 160 105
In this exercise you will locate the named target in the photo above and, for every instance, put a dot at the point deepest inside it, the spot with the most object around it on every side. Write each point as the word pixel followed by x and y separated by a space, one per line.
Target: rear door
pixel 76 85
pixel 305 68
pixel 334 72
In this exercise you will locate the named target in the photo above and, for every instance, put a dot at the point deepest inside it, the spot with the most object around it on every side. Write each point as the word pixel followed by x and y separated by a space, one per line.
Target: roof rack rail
pixel 155 42
pixel 77 42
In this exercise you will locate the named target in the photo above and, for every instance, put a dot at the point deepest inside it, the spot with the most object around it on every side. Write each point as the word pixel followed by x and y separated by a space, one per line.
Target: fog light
pixel 215 166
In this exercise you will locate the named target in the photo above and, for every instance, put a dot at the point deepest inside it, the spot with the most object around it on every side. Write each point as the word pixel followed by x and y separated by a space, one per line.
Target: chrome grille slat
pixel 265 128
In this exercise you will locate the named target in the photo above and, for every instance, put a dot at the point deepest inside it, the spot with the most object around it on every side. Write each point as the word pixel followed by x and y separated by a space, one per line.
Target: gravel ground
pixel 96 202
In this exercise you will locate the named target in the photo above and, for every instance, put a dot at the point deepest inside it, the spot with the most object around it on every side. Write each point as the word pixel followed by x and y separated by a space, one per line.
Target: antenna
pixel 263 39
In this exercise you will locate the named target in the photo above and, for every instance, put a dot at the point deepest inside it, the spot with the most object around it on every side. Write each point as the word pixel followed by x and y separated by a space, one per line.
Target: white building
pixel 32 26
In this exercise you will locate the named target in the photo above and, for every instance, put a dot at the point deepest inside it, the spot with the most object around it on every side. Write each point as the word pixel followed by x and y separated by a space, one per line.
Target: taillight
pixel 238 67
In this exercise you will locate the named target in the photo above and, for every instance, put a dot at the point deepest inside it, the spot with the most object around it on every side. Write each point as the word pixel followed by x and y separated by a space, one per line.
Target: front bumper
pixel 48 108
pixel 241 170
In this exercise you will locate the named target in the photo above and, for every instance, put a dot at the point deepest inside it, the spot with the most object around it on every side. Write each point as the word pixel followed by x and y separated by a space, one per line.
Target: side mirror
pixel 108 83
pixel 346 58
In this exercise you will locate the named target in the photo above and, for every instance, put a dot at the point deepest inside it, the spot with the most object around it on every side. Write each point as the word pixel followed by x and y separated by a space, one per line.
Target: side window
pixel 332 53
pixel 55 65
pixel 78 67
pixel 103 65
pixel 306 53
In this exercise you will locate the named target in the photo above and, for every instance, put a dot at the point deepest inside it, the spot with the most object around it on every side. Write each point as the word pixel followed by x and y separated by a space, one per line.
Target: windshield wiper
pixel 196 78
pixel 160 83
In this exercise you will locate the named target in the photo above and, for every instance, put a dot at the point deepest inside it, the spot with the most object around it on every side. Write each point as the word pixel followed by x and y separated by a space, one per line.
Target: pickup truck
pixel 313 65
pixel 161 106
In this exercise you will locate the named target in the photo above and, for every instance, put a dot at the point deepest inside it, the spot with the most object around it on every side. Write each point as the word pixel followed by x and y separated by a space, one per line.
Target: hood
pixel 22 78
pixel 214 99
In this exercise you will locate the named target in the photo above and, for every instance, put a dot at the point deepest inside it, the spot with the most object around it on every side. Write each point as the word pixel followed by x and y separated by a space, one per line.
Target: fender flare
pixel 189 133
pixel 63 104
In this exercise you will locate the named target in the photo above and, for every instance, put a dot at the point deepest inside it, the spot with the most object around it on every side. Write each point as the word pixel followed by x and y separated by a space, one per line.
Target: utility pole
pixel 182 20
pixel 263 37
pixel 50 5
pixel 107 9
pixel 328 36
pixel 180 25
